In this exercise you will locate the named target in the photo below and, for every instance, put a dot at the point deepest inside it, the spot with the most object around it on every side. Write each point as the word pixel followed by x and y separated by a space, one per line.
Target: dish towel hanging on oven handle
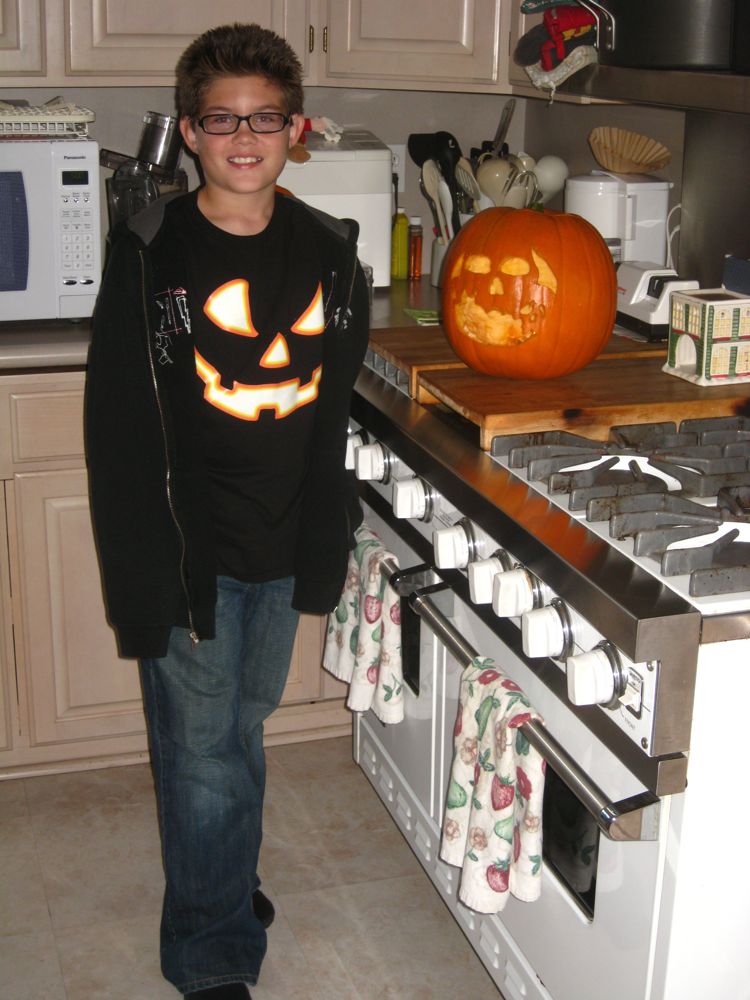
pixel 493 818
pixel 363 634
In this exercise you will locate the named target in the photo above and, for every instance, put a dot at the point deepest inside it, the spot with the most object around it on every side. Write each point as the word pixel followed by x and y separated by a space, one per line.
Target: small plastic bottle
pixel 400 246
pixel 415 248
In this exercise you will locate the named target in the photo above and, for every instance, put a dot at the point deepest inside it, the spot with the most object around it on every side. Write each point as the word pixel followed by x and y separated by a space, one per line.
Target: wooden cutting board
pixel 609 391
pixel 415 349
pixel 420 349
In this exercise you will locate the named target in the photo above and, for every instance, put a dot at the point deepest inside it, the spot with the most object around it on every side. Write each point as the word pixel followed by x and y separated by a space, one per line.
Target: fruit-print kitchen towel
pixel 493 818
pixel 363 634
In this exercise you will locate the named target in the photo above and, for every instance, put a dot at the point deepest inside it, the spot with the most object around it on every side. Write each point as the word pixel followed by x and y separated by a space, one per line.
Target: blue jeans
pixel 205 706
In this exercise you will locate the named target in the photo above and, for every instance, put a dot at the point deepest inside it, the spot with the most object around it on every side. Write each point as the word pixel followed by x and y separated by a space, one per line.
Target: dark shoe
pixel 229 991
pixel 263 908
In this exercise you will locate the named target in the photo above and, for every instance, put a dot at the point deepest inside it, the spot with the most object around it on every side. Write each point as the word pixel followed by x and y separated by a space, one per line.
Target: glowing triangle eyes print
pixel 229 308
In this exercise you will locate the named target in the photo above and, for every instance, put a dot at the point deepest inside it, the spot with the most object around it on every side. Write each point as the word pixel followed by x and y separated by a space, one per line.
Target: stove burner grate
pixel 720 567
pixel 653 498
pixel 604 480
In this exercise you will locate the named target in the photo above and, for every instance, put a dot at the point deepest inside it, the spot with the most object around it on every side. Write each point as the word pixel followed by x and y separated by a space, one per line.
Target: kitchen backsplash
pixel 540 128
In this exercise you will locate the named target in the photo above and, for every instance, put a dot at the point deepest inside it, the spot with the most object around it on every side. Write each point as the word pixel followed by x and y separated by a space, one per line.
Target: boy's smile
pixel 240 169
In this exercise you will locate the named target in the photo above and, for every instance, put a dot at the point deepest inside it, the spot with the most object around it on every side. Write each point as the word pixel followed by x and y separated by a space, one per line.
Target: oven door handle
pixel 633 818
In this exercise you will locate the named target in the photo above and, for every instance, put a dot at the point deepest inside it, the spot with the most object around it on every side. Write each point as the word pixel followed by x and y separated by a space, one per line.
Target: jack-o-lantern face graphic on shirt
pixel 228 308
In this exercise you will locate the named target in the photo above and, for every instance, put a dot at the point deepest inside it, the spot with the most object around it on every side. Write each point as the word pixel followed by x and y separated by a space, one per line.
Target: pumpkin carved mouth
pixel 531 285
pixel 229 309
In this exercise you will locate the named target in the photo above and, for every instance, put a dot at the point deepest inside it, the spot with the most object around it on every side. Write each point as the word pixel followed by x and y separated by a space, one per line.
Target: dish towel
pixel 363 634
pixel 493 817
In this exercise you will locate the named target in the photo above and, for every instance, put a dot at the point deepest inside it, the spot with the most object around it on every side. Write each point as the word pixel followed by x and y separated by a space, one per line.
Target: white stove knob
pixel 512 593
pixel 451 546
pixel 409 498
pixel 546 631
pixel 482 575
pixel 595 677
pixel 353 442
pixel 369 462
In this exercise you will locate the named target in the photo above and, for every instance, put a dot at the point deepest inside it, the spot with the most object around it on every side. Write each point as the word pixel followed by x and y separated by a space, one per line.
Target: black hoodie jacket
pixel 148 486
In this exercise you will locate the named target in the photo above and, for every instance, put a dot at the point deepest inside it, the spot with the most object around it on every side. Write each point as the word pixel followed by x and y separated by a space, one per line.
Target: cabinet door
pixel 8 721
pixel 423 41
pixel 21 34
pixel 141 38
pixel 305 670
pixel 77 688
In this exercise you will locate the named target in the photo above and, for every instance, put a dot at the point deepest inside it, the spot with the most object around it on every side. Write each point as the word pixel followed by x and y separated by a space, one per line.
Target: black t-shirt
pixel 256 317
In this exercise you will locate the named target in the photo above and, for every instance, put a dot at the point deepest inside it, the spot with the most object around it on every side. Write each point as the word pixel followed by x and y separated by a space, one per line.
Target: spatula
pixel 431 181
pixel 447 155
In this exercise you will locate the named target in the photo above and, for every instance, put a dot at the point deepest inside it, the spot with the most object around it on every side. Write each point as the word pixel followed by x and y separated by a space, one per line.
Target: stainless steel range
pixel 633 650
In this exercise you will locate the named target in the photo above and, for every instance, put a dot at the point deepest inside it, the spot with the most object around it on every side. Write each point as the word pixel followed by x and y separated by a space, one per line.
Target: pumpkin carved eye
pixel 528 294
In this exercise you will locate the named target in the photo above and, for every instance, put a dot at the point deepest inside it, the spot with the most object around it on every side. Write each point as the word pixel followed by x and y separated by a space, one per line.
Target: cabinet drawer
pixel 46 425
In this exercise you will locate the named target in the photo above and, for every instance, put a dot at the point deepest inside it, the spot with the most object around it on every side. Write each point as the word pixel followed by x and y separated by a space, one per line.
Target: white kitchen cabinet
pixel 456 45
pixel 422 45
pixel 143 39
pixel 102 43
pixel 66 699
pixel 8 700
pixel 22 50
pixel 77 688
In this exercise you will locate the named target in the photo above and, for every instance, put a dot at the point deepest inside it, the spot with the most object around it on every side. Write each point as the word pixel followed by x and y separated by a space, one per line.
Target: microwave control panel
pixel 77 210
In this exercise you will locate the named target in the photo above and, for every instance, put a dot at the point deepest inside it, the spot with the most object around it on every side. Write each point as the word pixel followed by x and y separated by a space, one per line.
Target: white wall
pixel 394 114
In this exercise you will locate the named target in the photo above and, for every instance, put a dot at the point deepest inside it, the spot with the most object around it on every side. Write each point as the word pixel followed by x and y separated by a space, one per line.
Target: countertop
pixel 44 344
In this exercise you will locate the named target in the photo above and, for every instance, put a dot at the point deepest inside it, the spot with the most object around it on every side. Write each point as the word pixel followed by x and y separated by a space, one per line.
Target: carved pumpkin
pixel 528 294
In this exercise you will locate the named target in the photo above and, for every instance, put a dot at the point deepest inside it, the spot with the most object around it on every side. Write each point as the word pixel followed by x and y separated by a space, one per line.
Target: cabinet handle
pixel 325 38
pixel 311 38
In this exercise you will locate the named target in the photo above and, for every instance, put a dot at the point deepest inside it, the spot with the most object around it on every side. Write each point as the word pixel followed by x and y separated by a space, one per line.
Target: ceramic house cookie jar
pixel 709 336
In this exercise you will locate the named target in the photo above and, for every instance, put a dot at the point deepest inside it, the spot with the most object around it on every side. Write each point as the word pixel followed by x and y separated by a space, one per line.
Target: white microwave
pixel 50 229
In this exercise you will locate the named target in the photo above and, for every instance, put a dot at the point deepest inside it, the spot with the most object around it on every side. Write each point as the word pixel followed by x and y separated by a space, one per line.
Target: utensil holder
pixel 439 249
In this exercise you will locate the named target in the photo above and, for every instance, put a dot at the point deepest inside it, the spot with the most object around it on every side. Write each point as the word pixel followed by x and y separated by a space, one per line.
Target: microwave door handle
pixel 634 818
pixel 605 24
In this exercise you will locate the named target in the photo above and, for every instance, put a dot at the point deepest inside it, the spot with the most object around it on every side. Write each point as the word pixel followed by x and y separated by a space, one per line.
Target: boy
pixel 229 331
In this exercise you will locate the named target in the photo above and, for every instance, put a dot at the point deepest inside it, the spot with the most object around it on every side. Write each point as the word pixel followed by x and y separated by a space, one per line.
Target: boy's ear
pixel 296 128
pixel 188 133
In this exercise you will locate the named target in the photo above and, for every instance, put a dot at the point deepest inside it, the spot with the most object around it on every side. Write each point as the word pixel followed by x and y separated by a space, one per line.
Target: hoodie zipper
pixel 168 480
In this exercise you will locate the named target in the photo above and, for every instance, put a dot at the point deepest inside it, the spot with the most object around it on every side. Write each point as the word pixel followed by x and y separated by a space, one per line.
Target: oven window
pixel 571 841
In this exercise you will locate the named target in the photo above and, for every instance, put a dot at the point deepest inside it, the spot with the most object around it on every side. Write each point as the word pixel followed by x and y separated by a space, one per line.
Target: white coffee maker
pixel 629 210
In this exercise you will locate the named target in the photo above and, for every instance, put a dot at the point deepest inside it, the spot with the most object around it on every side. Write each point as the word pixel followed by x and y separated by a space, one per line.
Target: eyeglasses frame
pixel 246 118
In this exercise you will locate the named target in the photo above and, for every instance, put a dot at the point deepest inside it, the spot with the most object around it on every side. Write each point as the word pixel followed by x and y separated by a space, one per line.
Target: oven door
pixel 592 932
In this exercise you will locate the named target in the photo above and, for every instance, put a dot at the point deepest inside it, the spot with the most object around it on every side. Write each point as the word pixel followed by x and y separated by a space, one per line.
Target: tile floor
pixel 357 919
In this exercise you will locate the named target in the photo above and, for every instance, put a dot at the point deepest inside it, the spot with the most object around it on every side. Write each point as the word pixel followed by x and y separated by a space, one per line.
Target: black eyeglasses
pixel 261 121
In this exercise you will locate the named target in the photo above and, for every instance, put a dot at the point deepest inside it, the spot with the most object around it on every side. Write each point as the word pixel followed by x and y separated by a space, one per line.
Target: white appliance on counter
pixel 50 235
pixel 639 684
pixel 350 179
pixel 629 210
